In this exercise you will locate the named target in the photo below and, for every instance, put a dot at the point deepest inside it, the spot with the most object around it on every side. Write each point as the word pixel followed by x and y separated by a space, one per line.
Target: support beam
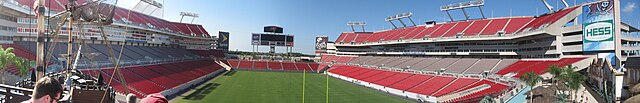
pixel 401 22
pixel 481 12
pixel 465 14
pixel 181 17
pixel 394 25
pixel 352 29
pixel 414 23
pixel 449 15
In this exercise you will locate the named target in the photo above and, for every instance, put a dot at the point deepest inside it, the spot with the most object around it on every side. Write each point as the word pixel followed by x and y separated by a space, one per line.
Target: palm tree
pixel 23 65
pixel 7 57
pixel 531 79
pixel 555 71
pixel 573 80
pixel 487 99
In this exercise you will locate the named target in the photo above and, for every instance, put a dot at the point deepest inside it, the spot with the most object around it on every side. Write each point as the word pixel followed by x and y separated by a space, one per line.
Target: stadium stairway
pixel 226 67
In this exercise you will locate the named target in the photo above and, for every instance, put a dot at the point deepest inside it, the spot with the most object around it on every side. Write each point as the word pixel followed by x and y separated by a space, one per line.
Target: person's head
pixel 47 90
pixel 154 98
pixel 131 98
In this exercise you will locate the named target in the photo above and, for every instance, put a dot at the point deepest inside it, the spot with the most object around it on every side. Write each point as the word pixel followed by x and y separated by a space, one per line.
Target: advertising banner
pixel 223 41
pixel 321 42
pixel 598 26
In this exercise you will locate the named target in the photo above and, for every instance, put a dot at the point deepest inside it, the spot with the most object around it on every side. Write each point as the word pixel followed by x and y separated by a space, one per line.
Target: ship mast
pixel 40 9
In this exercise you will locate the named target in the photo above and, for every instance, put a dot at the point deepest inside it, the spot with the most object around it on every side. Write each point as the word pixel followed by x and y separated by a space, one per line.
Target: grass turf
pixel 281 87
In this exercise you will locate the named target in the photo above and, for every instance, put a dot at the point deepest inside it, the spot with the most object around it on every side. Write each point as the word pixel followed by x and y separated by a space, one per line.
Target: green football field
pixel 281 87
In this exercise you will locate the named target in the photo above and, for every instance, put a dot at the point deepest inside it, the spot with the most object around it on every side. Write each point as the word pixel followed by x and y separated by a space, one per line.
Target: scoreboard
pixel 264 39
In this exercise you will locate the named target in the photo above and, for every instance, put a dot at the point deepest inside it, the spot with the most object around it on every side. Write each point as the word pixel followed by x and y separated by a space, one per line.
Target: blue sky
pixel 307 19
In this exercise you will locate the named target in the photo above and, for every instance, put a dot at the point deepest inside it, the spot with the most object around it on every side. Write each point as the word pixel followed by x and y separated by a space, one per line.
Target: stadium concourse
pixel 468 60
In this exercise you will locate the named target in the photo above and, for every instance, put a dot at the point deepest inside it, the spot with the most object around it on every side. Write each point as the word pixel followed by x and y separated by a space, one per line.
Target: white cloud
pixel 629 7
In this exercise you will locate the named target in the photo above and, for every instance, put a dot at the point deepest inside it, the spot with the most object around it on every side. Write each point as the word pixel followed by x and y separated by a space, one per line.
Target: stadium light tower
pixel 565 3
pixel 193 15
pixel 399 17
pixel 547 5
pixel 462 6
pixel 361 24
pixel 390 20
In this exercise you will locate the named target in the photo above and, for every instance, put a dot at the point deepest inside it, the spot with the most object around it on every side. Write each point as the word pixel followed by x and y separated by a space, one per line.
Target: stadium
pixel 105 53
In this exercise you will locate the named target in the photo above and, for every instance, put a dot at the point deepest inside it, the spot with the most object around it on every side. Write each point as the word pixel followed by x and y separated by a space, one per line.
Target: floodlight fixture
pixel 193 15
pixel 353 23
pixel 399 17
pixel 462 6
pixel 153 3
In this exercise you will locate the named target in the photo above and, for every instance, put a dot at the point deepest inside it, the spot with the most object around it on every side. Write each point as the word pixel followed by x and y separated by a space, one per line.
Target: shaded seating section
pixel 424 64
pixel 482 65
pixel 397 61
pixel 503 64
pixel 130 52
pixel 143 80
pixel 462 65
pixel 207 53
pixel 424 84
pixel 363 59
pixel 409 62
pixel 537 66
pixel 384 61
pixel 441 64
